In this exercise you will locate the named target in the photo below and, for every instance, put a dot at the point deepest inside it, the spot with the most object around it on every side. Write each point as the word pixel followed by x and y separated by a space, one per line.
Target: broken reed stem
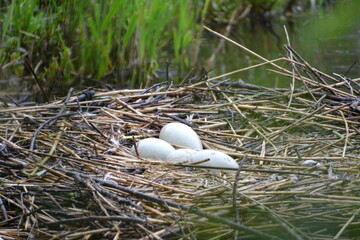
pixel 351 219
pixel 346 138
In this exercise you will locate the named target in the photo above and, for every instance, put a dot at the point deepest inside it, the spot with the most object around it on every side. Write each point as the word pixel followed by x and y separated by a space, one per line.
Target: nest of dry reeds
pixel 66 171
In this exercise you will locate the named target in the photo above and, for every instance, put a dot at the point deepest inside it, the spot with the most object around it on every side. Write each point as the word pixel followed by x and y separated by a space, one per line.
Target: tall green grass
pixel 95 40
pixel 69 40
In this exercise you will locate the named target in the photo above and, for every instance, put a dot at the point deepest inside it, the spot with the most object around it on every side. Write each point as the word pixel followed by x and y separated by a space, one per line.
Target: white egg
pixel 216 159
pixel 180 134
pixel 183 156
pixel 190 156
pixel 153 148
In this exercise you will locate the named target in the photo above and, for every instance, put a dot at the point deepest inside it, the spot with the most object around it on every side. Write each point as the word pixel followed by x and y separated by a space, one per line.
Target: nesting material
pixel 67 172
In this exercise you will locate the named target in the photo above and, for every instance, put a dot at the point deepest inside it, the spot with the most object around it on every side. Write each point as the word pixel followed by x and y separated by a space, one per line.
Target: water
pixel 328 40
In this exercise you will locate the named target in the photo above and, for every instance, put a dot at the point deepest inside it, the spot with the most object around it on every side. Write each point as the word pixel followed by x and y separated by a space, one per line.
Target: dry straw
pixel 66 171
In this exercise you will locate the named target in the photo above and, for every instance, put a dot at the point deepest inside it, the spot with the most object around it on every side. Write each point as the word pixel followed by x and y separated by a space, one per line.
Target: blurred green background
pixel 126 44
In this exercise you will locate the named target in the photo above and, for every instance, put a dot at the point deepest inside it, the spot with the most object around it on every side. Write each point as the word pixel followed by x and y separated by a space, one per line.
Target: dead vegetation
pixel 66 171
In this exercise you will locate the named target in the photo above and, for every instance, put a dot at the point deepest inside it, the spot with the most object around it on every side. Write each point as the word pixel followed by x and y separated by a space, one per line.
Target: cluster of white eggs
pixel 182 135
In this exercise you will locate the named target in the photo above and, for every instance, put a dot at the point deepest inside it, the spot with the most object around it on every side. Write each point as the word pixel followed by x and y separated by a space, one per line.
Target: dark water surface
pixel 328 40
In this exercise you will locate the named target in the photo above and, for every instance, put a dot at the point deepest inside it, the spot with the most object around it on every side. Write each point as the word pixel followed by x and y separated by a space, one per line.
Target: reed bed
pixel 66 171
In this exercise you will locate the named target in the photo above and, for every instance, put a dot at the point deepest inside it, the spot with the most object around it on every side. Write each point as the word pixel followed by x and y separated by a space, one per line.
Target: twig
pixel 236 211
pixel 346 138
pixel 338 235
pixel 98 218
pixel 32 144
pixel 63 107
pixel 3 208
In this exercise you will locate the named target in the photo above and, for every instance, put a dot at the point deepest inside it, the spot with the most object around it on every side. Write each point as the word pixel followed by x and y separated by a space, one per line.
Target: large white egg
pixel 216 159
pixel 180 134
pixel 190 156
pixel 153 148
pixel 183 156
